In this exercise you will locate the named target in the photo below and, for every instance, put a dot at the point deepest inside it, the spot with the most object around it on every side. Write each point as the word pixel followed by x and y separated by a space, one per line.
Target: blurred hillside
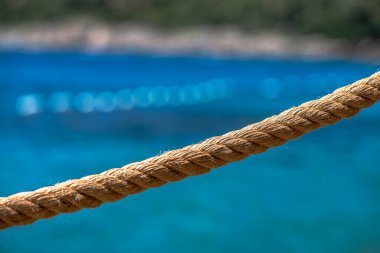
pixel 348 19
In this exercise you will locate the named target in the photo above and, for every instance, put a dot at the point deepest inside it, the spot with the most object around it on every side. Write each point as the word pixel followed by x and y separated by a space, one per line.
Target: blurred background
pixel 91 85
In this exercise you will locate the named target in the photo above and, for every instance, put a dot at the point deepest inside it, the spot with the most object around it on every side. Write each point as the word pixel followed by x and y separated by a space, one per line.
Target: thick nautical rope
pixel 114 184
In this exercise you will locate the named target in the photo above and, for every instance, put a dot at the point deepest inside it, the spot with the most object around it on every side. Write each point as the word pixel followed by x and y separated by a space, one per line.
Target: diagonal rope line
pixel 114 184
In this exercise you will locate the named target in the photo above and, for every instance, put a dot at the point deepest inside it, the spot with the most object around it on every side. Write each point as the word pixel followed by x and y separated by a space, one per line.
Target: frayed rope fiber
pixel 114 184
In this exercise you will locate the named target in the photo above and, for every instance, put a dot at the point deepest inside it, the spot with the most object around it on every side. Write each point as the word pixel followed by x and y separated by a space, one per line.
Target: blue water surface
pixel 67 115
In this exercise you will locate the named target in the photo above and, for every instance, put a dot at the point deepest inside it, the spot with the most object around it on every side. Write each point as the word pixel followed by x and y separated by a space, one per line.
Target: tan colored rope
pixel 114 184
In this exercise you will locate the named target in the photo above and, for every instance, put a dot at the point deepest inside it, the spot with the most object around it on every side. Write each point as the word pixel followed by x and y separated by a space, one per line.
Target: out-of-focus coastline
pixel 210 41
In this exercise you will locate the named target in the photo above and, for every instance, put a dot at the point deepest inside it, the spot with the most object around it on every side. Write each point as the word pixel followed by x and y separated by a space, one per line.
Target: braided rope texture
pixel 114 184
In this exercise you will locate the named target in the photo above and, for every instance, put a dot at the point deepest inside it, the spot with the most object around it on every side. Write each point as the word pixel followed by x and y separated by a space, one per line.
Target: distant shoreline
pixel 208 41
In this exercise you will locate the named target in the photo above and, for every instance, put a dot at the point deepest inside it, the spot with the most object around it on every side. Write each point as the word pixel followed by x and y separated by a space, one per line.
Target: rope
pixel 114 184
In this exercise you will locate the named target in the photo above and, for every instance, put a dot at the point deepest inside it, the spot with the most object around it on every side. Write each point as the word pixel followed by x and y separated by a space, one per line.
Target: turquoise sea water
pixel 67 115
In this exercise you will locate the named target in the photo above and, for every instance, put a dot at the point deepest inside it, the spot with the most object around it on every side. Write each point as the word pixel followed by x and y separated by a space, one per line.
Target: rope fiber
pixel 114 184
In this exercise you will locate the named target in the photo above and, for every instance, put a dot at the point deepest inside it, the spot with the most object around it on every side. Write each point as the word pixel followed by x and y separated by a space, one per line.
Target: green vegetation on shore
pixel 349 19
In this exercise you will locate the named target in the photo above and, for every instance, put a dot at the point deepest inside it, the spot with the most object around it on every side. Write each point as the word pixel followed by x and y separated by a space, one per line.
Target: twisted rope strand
pixel 114 184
